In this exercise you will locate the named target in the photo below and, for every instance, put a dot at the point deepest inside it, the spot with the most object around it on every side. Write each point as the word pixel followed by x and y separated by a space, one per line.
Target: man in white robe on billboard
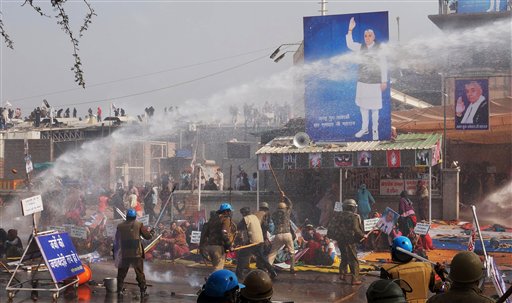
pixel 372 79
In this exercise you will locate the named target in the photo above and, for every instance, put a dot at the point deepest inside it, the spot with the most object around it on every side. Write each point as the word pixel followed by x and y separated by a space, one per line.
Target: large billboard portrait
pixel 347 95
pixel 479 6
pixel 472 104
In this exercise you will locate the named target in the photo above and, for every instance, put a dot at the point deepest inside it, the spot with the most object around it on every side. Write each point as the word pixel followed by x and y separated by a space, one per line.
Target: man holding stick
pixel 250 228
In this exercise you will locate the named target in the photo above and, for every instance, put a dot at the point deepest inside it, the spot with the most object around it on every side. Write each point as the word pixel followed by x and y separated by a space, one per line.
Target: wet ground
pixel 179 283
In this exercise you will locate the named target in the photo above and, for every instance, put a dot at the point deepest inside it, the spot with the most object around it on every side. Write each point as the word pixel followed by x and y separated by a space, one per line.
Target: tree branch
pixel 63 21
pixel 7 40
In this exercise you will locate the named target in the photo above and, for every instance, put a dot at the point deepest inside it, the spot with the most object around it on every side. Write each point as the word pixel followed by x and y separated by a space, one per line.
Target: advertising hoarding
pixel 472 104
pixel 347 97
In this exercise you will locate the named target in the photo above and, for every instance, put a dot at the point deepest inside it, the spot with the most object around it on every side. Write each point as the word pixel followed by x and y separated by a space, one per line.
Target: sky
pixel 138 54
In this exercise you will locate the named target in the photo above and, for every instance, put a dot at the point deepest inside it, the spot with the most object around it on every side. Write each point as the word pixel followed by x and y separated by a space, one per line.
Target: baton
pixel 152 244
pixel 505 295
pixel 414 255
pixel 420 258
pixel 246 246
pixel 165 206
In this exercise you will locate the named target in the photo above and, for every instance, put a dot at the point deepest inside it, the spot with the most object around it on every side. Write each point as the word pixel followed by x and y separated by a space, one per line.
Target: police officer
pixel 258 288
pixel 250 227
pixel 419 275
pixel 283 235
pixel 128 250
pixel 221 287
pixel 385 291
pixel 219 236
pixel 345 228
pixel 466 270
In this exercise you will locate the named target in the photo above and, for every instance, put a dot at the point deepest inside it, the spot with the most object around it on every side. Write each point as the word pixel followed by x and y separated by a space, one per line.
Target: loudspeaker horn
pixel 301 140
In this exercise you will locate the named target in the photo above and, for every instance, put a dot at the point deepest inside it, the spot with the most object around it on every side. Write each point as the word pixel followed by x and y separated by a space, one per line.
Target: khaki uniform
pixel 217 237
pixel 345 228
pixel 252 225
pixel 419 275
pixel 283 236
pixel 460 292
pixel 132 253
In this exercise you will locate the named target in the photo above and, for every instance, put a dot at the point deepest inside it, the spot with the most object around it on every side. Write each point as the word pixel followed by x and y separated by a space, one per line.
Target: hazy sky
pixel 223 44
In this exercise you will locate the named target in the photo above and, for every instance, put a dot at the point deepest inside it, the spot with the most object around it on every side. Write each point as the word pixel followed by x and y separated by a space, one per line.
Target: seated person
pixel 177 242
pixel 13 246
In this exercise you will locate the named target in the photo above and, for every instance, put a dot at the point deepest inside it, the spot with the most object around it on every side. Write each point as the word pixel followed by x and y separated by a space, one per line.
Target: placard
pixel 110 230
pixel 144 220
pixel 422 228
pixel 388 220
pixel 338 206
pixel 369 224
pixel 195 237
pixel 78 232
pixel 496 277
pixel 31 205
pixel 60 256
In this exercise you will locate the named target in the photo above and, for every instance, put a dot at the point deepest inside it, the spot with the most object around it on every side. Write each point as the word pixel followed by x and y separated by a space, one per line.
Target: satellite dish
pixel 301 140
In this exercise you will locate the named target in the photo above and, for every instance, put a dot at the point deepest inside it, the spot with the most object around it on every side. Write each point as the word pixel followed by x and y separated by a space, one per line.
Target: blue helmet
pixel 225 206
pixel 221 282
pixel 131 214
pixel 404 243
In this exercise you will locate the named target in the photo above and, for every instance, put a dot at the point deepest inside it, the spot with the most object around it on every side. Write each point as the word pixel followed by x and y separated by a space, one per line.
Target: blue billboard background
pixel 479 6
pixel 60 256
pixel 331 112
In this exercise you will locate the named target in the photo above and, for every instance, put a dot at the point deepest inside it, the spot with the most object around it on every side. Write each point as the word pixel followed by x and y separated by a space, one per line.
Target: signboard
pixel 422 228
pixel 315 160
pixel 263 162
pixel 497 278
pixel 393 158
pixel 343 160
pixel 195 237
pixel 478 6
pixel 110 230
pixel 422 158
pixel 369 224
pixel 289 161
pixel 31 205
pixel 28 164
pixel 60 256
pixel 78 232
pixel 338 206
pixel 350 101
pixel 144 220
pixel 388 220
pixel 364 159
pixel 472 104
pixel 393 187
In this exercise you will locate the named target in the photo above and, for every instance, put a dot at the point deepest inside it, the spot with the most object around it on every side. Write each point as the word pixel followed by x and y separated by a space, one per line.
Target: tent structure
pixel 431 119
pixel 405 146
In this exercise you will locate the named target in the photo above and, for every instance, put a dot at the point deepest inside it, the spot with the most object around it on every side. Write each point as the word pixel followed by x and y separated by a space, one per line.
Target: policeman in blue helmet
pixel 128 251
pixel 221 287
pixel 218 237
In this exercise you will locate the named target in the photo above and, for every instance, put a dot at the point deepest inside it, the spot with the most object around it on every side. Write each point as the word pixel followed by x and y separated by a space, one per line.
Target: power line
pixel 171 85
pixel 142 75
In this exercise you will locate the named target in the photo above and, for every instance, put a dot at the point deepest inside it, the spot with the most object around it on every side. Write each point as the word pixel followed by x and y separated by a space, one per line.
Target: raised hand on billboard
pixel 351 24
pixel 459 109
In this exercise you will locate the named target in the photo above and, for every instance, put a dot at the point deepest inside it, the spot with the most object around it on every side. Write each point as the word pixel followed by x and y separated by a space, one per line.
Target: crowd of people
pixel 271 239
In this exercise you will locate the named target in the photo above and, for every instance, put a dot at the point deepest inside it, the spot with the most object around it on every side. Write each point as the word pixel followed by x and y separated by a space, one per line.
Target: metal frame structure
pixel 13 289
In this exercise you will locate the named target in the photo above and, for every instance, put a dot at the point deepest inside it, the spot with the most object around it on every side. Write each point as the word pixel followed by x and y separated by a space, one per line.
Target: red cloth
pixel 309 256
pixel 102 204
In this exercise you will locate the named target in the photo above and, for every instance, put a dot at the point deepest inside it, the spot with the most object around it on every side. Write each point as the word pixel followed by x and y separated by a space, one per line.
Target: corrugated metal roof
pixel 284 145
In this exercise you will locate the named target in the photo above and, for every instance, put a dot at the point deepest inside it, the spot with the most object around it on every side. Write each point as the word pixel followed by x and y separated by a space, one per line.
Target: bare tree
pixel 63 21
